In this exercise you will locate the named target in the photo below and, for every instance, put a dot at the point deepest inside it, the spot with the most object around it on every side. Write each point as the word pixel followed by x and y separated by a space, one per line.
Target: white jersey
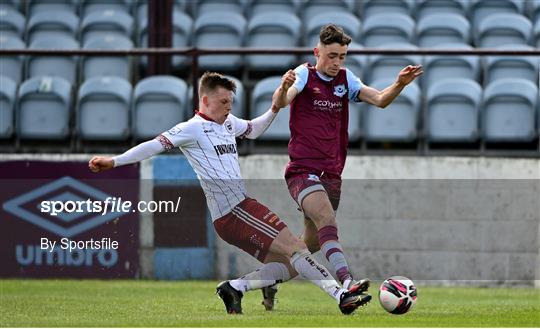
pixel 211 150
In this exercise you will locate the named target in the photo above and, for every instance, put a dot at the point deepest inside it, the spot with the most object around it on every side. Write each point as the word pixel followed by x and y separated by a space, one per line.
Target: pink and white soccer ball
pixel 397 295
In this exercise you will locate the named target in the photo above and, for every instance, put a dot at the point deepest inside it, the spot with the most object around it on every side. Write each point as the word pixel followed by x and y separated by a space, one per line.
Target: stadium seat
pixel 116 66
pixel 356 63
pixel 499 67
pixel 8 96
pixel 534 10
pixel 38 6
pixel 261 100
pixel 398 122
pixel 481 9
pixel 351 25
pixel 182 27
pixel 238 107
pixel 272 30
pixel 428 7
pixel 44 106
pixel 256 7
pixel 388 66
pixel 374 7
pixel 12 23
pixel 436 29
pixel 104 23
pixel 509 107
pixel 159 103
pixel 453 107
pixel 219 30
pixel 382 29
pixel 201 7
pixel 536 33
pixel 61 66
pixel 16 5
pixel 355 124
pixel 90 6
pixel 310 8
pixel 103 109
pixel 437 68
pixel 11 66
pixel 503 29
pixel 51 24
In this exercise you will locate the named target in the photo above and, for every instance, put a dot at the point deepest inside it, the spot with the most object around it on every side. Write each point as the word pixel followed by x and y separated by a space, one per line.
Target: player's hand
pixel 100 163
pixel 409 73
pixel 287 80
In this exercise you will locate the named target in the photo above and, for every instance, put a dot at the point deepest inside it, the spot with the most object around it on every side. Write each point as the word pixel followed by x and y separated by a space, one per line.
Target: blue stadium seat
pixel 499 67
pixel 398 122
pixel 89 6
pixel 388 66
pixel 534 10
pixel 11 66
pixel 261 100
pixel 61 66
pixel 44 106
pixel 104 23
pixel 16 5
pixel 350 24
pixel 103 109
pixel 453 108
pixel 116 66
pixel 503 29
pixel 536 33
pixel 219 30
pixel 8 96
pixel 38 6
pixel 255 7
pixel 436 29
pixel 428 7
pixel 238 107
pixel 509 111
pixel 272 30
pixel 201 7
pixel 182 29
pixel 358 64
pixel 50 24
pixel 373 7
pixel 310 8
pixel 159 103
pixel 481 9
pixel 355 124
pixel 12 23
pixel 437 68
pixel 382 29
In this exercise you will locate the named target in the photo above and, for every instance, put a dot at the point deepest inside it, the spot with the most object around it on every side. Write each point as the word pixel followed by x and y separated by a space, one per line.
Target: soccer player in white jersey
pixel 208 141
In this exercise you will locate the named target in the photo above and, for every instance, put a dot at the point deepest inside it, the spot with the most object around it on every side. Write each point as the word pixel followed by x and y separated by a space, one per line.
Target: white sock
pixel 304 264
pixel 267 275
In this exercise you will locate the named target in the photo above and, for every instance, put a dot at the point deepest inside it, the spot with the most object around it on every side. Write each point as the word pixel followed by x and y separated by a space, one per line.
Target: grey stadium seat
pixel 536 33
pixel 103 110
pixel 12 5
pixel 534 10
pixel 355 124
pixel 159 103
pixel 201 7
pixel 310 8
pixel 38 6
pixel 398 122
pixel 373 7
pixel 219 30
pixel 44 106
pixel 358 64
pixel 61 66
pixel 181 37
pixel 350 24
pixel 272 30
pixel 428 7
pixel 508 113
pixel 11 66
pixel 256 7
pixel 89 6
pixel 8 96
pixel 239 99
pixel 503 29
pixel 437 68
pixel 388 66
pixel 261 100
pixel 107 22
pixel 52 24
pixel 499 67
pixel 116 66
pixel 12 23
pixel 382 29
pixel 481 9
pixel 453 108
pixel 436 29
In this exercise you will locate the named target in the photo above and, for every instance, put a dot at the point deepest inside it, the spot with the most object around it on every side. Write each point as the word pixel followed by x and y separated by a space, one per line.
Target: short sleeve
pixel 355 84
pixel 301 77
pixel 179 135
pixel 241 127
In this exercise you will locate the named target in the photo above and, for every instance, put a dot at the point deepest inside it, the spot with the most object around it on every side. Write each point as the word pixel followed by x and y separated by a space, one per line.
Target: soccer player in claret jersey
pixel 208 140
pixel 319 101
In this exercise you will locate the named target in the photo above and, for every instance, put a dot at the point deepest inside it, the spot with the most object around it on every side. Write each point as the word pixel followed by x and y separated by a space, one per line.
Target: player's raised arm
pixel 284 94
pixel 135 154
pixel 383 98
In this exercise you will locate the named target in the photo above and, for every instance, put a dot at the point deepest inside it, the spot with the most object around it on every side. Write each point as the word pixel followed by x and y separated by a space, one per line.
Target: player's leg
pixel 310 236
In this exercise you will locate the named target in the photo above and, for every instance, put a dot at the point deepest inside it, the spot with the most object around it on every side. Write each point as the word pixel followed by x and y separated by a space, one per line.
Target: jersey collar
pixel 204 116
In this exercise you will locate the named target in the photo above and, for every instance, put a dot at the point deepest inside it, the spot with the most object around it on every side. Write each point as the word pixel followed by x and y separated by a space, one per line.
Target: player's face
pixel 220 104
pixel 330 58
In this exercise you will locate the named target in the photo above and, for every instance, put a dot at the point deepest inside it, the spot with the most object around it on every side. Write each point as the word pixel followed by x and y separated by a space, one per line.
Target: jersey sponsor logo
pixel 340 90
pixel 229 127
pixel 326 105
pixel 208 131
pixel 225 149
pixel 314 178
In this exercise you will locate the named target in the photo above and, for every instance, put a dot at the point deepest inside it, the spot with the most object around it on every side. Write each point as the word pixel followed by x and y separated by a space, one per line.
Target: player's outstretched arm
pixel 385 97
pixel 284 94
pixel 135 154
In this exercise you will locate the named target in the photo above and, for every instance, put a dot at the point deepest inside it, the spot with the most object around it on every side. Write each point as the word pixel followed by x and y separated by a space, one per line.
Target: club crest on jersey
pixel 313 177
pixel 340 90
pixel 228 127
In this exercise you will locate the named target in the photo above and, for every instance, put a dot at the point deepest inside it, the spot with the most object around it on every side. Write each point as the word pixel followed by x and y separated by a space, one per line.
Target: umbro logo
pixel 316 90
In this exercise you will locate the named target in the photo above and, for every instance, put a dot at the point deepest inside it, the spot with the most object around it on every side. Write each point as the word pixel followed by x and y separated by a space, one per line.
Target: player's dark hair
pixel 331 33
pixel 210 81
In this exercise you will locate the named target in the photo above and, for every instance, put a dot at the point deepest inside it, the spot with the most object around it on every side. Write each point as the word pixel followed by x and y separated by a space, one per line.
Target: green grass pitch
pixel 94 303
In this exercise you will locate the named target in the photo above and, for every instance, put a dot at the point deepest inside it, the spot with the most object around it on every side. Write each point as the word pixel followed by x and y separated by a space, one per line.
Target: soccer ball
pixel 397 295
